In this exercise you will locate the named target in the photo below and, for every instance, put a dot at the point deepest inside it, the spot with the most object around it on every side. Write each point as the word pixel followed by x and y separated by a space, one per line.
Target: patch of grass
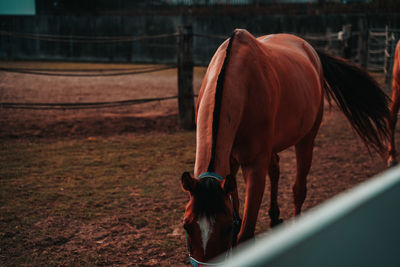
pixel 88 181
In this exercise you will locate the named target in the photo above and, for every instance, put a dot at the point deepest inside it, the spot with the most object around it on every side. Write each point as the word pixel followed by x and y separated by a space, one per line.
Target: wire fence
pixel 380 58
pixel 103 73
pixel 84 38
pixel 82 105
pixel 85 72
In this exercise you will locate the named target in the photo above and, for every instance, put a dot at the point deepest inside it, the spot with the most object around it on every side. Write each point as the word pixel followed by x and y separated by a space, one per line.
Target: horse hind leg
pixel 304 153
pixel 274 173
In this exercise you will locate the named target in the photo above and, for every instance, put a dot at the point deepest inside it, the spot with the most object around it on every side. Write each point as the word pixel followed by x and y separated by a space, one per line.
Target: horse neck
pixel 204 137
pixel 231 108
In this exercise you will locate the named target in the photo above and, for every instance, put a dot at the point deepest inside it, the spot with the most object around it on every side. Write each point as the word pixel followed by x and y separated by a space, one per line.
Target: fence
pixel 382 44
pixel 341 43
pixel 372 48
pixel 357 228
pixel 183 45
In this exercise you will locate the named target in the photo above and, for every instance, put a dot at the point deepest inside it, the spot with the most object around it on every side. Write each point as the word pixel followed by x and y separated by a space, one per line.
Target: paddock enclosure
pixel 101 186
pixel 92 150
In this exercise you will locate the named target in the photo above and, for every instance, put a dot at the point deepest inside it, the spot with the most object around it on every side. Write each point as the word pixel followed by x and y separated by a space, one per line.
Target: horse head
pixel 208 217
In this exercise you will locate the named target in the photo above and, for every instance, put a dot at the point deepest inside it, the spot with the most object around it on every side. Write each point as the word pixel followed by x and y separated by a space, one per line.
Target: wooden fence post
pixel 185 77
pixel 328 34
pixel 363 40
pixel 344 36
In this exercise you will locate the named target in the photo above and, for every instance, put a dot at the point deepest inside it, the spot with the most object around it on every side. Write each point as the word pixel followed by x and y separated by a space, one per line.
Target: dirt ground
pixel 22 88
pixel 340 159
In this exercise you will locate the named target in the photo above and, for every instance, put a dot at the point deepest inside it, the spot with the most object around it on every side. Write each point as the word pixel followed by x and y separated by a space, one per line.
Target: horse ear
pixel 188 183
pixel 229 184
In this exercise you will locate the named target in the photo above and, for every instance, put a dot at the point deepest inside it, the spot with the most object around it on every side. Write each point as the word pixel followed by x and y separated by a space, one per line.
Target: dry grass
pixel 55 195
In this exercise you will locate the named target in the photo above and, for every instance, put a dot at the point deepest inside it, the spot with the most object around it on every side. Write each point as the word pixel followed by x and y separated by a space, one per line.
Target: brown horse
pixel 259 97
pixel 394 109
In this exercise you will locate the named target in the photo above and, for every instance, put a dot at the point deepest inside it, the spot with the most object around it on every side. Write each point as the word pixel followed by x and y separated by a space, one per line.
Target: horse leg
pixel 254 176
pixel 237 223
pixel 274 173
pixel 394 108
pixel 234 165
pixel 304 153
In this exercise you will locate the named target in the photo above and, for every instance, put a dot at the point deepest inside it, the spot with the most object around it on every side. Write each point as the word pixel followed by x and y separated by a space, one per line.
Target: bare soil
pixel 340 159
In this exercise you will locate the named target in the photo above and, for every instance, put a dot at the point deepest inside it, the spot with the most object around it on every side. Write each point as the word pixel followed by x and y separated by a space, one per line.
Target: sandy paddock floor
pixel 340 159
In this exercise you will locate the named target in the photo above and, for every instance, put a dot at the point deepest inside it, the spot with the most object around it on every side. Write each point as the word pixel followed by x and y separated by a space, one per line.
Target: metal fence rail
pixel 360 227
pixel 381 50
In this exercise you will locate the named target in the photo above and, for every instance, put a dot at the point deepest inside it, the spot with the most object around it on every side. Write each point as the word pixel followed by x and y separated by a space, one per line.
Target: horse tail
pixel 359 97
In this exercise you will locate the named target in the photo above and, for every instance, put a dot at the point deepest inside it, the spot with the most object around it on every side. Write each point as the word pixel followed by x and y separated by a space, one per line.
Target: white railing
pixel 360 227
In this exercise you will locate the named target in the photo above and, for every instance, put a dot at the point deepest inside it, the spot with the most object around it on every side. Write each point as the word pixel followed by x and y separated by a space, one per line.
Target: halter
pixel 235 230
pixel 211 175
pixel 195 263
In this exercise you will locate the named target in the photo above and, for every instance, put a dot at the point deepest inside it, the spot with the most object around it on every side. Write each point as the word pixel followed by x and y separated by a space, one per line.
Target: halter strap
pixel 211 175
pixel 195 263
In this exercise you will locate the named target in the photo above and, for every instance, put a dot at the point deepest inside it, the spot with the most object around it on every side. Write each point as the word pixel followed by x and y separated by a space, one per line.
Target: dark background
pixel 68 30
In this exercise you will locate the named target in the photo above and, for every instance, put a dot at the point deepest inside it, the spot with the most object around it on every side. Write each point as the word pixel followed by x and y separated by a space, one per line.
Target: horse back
pixel 272 96
pixel 299 77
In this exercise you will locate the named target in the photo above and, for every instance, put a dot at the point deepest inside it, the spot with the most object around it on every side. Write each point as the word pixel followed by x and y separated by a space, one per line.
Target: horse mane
pixel 217 103
pixel 209 198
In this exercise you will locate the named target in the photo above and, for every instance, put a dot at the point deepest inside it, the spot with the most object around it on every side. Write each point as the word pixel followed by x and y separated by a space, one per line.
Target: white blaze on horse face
pixel 206 226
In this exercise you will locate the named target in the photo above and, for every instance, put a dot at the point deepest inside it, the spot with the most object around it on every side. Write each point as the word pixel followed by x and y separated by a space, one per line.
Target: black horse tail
pixel 360 98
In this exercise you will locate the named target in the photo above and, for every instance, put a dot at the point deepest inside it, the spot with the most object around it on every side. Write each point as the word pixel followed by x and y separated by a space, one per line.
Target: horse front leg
pixel 234 166
pixel 254 176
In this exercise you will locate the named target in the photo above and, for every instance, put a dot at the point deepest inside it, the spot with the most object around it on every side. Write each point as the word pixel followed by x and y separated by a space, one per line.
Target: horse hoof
pixel 276 222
